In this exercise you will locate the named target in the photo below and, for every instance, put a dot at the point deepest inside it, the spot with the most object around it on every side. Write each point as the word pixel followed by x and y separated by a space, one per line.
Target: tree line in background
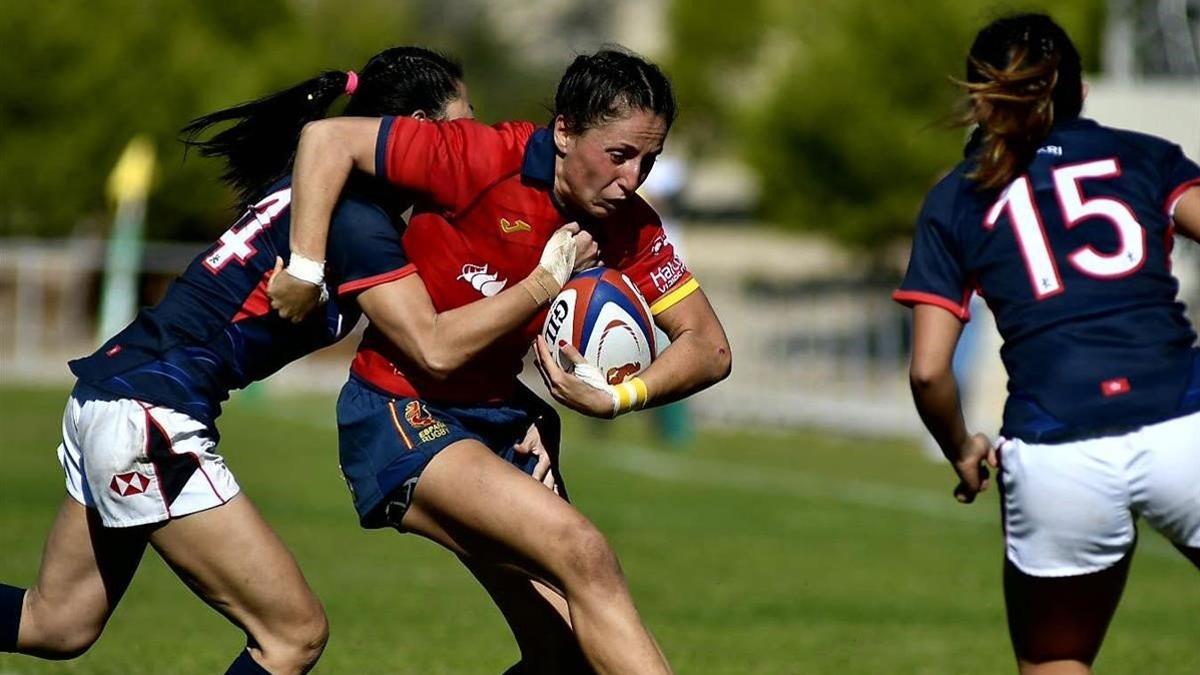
pixel 843 109
pixel 837 107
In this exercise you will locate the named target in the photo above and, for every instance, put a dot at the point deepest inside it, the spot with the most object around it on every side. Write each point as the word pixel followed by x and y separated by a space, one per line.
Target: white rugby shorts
pixel 1070 508
pixel 136 463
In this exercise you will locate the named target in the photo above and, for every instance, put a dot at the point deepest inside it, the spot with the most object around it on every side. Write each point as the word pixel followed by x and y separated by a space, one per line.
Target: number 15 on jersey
pixel 1018 203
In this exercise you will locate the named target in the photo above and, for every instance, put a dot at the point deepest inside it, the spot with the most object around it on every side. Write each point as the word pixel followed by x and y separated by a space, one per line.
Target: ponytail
pixel 1014 108
pixel 260 147
pixel 1023 76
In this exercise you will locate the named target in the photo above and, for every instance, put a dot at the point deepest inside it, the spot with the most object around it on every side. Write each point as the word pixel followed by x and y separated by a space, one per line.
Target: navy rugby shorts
pixel 384 443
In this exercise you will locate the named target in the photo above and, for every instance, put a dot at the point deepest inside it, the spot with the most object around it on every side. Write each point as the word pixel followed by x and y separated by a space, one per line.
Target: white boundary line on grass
pixel 684 468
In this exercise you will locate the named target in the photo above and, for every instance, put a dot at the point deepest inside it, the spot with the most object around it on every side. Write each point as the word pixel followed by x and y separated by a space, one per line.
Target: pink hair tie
pixel 351 82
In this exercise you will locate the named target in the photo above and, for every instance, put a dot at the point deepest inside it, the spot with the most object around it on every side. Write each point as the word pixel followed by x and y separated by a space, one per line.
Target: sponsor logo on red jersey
pixel 486 282
pixel 659 243
pixel 668 274
pixel 511 228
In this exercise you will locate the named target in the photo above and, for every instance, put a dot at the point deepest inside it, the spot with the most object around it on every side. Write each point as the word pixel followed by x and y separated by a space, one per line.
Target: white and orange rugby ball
pixel 601 313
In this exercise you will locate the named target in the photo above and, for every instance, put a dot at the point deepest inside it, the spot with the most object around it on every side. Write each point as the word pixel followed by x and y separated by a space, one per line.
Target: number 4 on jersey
pixel 1017 201
pixel 237 241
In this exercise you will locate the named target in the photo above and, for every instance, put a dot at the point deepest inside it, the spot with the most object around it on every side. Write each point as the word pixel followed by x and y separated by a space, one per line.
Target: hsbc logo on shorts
pixel 668 274
pixel 129 484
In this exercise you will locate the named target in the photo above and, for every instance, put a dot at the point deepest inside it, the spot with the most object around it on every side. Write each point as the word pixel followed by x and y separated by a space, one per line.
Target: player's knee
pixel 61 638
pixel 303 642
pixel 313 639
pixel 589 557
pixel 56 630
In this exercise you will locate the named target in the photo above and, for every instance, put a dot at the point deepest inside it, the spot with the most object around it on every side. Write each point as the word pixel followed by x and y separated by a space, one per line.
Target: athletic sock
pixel 245 664
pixel 12 601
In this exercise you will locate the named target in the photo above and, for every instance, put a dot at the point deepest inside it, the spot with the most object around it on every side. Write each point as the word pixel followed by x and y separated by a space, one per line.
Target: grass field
pixel 750 552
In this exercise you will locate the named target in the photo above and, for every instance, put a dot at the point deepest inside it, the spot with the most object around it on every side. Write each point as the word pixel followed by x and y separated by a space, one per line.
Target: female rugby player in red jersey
pixel 1065 226
pixel 139 444
pixel 612 114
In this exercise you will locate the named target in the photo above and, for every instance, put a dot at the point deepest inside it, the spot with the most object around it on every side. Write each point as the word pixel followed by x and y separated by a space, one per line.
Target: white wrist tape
pixel 558 256
pixel 306 269
pixel 629 395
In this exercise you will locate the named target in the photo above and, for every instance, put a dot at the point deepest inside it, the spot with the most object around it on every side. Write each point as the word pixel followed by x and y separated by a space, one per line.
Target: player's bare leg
pixel 539 619
pixel 494 510
pixel 85 571
pixel 1057 624
pixel 537 614
pixel 237 564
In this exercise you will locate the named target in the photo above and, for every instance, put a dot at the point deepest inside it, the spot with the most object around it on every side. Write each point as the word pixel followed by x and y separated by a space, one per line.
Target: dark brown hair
pixel 600 87
pixel 1023 75
pixel 259 147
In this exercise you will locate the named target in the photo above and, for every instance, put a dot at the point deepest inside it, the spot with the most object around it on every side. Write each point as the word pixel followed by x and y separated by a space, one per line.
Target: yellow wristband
pixel 631 395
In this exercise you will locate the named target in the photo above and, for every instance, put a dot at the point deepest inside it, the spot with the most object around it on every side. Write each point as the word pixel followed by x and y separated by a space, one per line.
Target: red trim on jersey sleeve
pixel 363 284
pixel 962 309
pixel 1177 194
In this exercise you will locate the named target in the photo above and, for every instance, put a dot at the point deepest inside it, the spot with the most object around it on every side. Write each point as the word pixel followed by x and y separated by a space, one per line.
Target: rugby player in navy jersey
pixel 139 435
pixel 1066 228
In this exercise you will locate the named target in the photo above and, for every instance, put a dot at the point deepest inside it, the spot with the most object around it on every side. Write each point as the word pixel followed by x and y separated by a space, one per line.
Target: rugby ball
pixel 601 313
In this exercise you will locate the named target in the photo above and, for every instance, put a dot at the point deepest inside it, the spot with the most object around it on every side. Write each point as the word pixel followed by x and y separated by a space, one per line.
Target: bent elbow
pixel 926 377
pixel 722 362
pixel 439 366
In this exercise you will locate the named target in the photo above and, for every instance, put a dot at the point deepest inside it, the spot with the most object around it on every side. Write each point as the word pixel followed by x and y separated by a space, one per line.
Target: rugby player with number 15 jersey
pixel 1066 228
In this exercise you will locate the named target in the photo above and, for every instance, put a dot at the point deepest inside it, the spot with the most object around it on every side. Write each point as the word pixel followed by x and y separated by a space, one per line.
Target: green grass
pixel 749 552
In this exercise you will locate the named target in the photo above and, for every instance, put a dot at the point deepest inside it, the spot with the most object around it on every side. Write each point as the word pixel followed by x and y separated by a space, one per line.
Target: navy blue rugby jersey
pixel 1074 260
pixel 215 331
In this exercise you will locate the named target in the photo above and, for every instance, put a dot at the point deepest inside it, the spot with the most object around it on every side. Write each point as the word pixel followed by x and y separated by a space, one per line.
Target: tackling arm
pixel 440 343
pixel 328 151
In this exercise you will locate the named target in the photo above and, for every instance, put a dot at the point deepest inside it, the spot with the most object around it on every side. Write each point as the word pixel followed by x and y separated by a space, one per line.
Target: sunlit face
pixel 598 170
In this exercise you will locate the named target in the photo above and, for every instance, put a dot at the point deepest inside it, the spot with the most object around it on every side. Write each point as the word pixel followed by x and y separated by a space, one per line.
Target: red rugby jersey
pixel 486 216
